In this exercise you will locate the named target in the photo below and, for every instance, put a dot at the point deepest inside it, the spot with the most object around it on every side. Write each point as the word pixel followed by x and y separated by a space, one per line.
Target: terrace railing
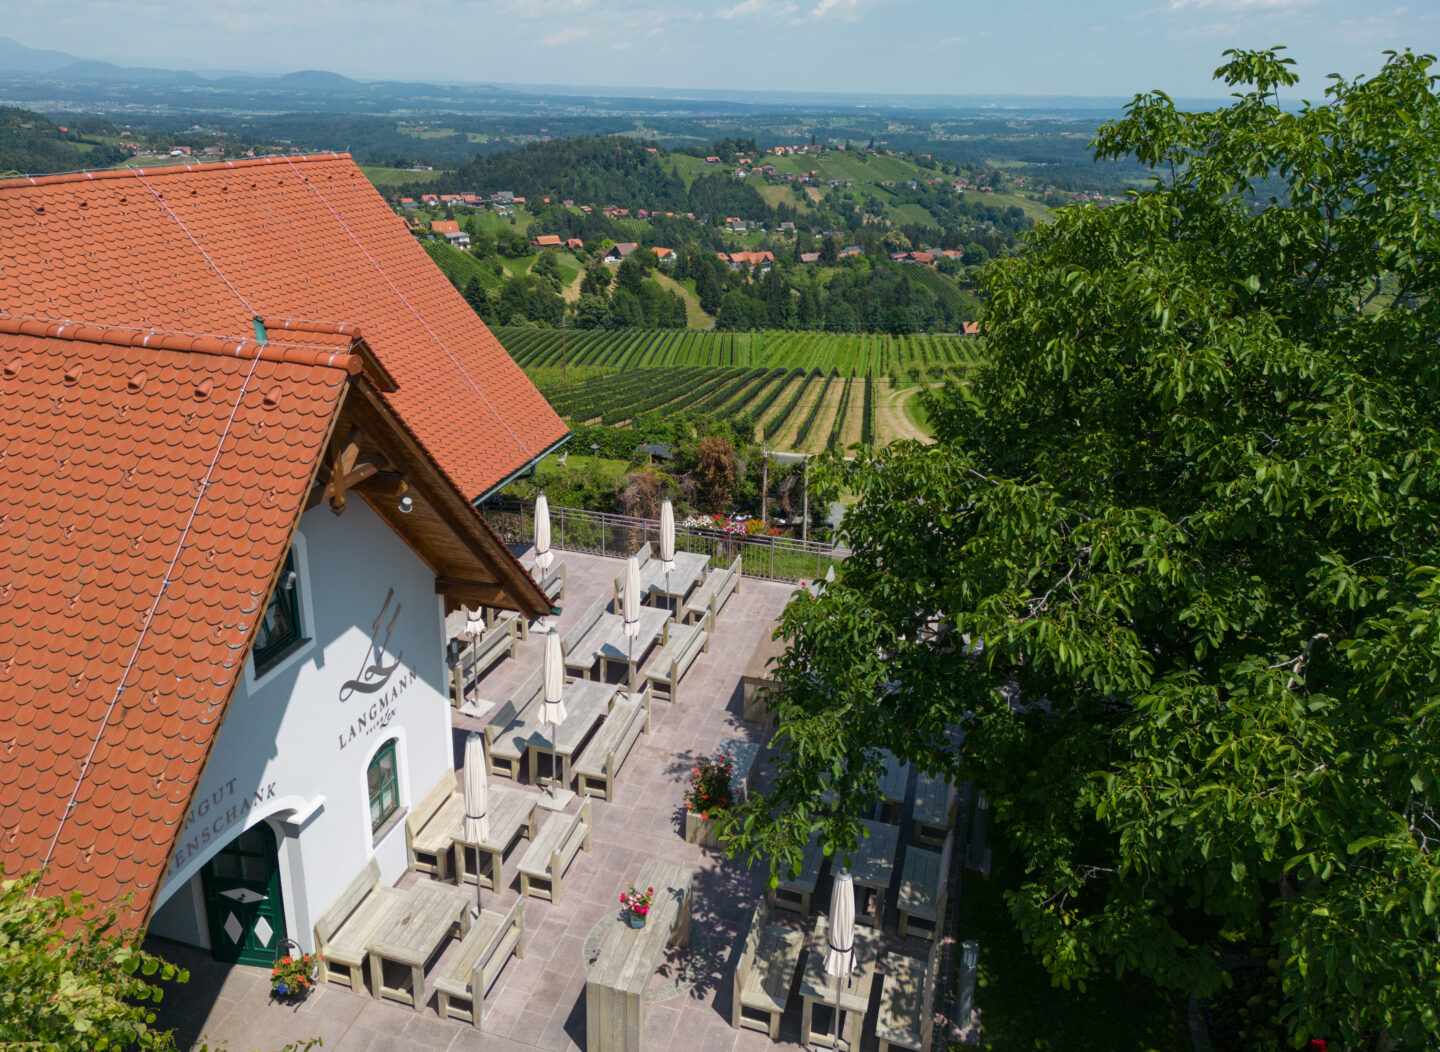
pixel 575 529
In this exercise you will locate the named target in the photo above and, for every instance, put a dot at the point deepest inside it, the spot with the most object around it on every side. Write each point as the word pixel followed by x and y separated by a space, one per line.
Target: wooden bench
pixel 550 854
pixel 476 964
pixel 427 833
pixel 713 593
pixel 764 974
pixel 344 932
pixel 907 1001
pixel 794 892
pixel 476 657
pixel 743 757
pixel 682 645
pixel 924 884
pixel 586 636
pixel 511 620
pixel 507 734
pixel 642 557
pixel 601 760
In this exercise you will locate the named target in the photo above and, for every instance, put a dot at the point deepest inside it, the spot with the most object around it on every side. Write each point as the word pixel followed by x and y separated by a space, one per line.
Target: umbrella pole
pixel 550 784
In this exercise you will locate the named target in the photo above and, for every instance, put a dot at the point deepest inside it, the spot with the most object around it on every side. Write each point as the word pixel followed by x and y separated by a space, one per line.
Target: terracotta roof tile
pixel 302 238
pixel 127 486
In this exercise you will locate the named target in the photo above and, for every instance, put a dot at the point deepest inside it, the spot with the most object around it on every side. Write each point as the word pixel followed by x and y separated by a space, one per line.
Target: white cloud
pixel 1238 5
pixel 623 45
pixel 568 35
pixel 846 9
pixel 741 10
pixel 756 9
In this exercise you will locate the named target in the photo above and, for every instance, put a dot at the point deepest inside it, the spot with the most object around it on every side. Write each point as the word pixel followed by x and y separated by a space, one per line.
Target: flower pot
pixel 700 831
pixel 637 920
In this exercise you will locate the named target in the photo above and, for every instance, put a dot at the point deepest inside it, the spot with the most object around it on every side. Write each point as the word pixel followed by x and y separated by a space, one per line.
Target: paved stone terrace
pixel 539 1002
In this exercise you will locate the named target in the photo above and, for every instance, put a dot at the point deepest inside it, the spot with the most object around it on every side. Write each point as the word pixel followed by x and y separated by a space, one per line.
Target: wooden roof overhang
pixel 372 455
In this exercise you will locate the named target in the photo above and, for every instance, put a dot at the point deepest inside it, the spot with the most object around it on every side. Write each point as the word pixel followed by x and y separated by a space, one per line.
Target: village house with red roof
pixel 251 419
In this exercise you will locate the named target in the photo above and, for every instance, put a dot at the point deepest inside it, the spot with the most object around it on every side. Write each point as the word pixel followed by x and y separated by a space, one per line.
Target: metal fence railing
pixel 773 558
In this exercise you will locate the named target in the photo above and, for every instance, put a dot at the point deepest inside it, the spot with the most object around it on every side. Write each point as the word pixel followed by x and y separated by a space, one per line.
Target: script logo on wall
pixel 376 678
pixel 374 673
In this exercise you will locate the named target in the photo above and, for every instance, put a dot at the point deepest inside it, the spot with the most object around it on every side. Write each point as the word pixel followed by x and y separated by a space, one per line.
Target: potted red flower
pixel 294 974
pixel 710 792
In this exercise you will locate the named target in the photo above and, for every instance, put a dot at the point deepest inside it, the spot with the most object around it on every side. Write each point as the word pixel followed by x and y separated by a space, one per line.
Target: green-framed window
pixel 384 785
pixel 280 624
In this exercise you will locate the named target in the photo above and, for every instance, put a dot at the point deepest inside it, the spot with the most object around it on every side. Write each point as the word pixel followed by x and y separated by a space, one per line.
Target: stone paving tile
pixel 539 1002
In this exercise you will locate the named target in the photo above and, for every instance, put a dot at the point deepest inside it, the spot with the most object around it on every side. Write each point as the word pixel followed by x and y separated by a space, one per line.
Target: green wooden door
pixel 242 898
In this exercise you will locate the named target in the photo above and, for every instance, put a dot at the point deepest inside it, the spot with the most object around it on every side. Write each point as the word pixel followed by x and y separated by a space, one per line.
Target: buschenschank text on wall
pixel 212 816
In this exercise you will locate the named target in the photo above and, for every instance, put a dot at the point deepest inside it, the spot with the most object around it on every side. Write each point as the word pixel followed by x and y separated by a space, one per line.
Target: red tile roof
pixel 445 226
pixel 162 475
pixel 304 237
pixel 547 241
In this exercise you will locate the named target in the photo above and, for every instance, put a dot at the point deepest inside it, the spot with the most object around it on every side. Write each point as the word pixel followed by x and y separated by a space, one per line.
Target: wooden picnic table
pixel 616 982
pixel 631 652
pixel 689 569
pixel 934 812
pixel 511 813
pixel 417 930
pixel 851 993
pixel 872 866
pixel 894 782
pixel 587 701
pixel 794 891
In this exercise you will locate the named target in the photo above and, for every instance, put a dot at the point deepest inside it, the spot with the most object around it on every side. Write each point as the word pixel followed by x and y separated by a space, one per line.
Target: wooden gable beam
pixel 471 593
pixel 513 587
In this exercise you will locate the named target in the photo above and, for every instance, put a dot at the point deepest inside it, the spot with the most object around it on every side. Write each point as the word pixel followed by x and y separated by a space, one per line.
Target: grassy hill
pixel 460 266
pixel 397 176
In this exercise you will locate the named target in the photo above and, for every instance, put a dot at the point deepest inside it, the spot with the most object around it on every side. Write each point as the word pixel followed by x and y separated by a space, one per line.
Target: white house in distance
pixel 227 677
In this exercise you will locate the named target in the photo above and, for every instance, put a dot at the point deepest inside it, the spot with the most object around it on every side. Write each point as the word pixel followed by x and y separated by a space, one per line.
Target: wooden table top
pixel 874 860
pixel 689 568
pixel 810 864
pixel 586 702
pixel 427 913
pixel 508 809
pixel 629 956
pixel 894 779
pixel 854 990
pixel 934 797
pixel 619 647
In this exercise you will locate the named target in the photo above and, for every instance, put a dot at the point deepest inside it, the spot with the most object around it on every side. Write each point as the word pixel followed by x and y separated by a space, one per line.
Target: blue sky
pixel 1104 47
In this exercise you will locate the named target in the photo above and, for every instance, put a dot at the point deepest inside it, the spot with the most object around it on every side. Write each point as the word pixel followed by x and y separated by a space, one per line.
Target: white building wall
pixel 296 742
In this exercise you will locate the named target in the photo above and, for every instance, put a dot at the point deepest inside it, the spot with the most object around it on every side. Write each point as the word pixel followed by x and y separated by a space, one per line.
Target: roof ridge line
pixel 120 336
pixel 90 175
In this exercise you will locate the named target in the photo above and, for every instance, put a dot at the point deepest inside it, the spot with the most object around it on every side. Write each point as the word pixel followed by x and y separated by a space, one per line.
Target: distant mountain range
pixel 17 58
pixel 225 89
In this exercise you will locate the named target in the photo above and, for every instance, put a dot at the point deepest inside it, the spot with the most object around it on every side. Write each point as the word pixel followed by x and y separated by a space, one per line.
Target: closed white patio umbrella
pixel 630 602
pixel 840 951
pixel 543 555
pixel 667 542
pixel 474 623
pixel 476 791
pixel 552 705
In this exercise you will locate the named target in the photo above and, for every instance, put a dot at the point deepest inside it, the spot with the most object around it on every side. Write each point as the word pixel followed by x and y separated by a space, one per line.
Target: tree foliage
pixel 1173 566
pixel 70 979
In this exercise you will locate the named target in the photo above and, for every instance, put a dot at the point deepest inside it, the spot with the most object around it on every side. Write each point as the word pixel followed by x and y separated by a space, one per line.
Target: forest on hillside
pixel 31 143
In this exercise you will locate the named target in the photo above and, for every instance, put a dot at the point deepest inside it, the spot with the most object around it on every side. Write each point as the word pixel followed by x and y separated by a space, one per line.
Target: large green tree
pixel 1173 565
pixel 70 980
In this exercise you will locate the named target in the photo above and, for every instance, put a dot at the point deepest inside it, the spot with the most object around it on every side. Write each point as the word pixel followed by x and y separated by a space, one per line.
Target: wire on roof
pixel 524 446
